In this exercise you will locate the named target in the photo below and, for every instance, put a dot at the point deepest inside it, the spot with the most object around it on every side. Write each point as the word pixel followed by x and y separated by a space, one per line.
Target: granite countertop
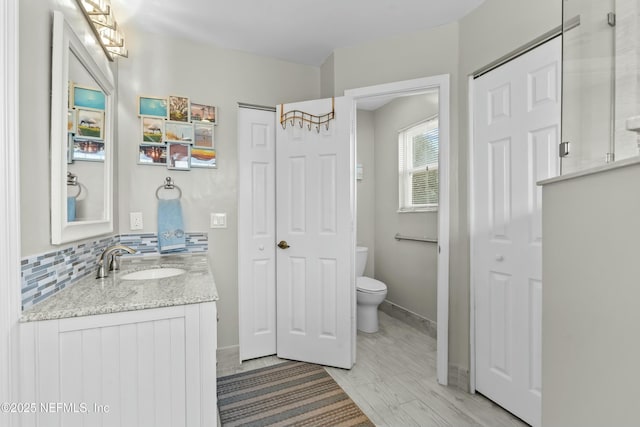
pixel 89 296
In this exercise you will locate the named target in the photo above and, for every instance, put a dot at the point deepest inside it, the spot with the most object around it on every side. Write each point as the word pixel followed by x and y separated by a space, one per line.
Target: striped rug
pixel 287 394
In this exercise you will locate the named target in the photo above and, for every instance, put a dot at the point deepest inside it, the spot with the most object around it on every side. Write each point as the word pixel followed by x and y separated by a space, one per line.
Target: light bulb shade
pixel 100 17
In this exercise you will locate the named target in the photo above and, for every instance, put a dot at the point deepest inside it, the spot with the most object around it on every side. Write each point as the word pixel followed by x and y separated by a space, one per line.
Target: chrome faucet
pixel 108 258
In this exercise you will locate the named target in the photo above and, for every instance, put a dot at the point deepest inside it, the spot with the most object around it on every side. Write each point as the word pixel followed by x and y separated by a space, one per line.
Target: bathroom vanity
pixel 124 352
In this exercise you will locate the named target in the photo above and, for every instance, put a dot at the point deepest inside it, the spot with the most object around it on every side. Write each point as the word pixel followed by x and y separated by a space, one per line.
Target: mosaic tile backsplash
pixel 147 244
pixel 45 274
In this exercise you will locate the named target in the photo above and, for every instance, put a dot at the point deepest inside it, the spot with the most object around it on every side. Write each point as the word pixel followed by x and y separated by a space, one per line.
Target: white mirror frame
pixel 66 41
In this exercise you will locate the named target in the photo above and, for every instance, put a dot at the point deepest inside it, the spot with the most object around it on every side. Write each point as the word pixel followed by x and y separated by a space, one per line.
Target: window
pixel 418 166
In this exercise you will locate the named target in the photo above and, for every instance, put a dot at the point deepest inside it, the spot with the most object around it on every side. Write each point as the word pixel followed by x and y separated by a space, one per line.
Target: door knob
pixel 283 244
pixel 499 258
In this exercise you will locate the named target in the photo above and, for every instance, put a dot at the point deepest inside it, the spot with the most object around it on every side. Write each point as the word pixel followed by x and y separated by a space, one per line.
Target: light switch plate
pixel 135 221
pixel 633 123
pixel 218 220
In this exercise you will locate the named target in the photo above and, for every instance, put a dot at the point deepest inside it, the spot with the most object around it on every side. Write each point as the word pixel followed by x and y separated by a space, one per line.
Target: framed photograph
pixel 179 156
pixel 150 106
pixel 179 108
pixel 71 121
pixel 203 134
pixel 152 154
pixel 178 132
pixel 69 94
pixel 90 124
pixel 152 130
pixel 88 150
pixel 203 157
pixel 204 113
pixel 87 97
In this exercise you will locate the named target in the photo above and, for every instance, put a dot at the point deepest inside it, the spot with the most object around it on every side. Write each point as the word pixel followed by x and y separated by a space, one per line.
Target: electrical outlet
pixel 135 221
pixel 218 220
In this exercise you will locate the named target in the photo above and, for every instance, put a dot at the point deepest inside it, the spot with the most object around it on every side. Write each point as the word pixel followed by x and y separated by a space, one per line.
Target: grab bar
pixel 399 236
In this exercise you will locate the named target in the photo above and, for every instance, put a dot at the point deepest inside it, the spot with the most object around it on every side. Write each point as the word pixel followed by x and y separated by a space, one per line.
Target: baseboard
pixel 229 348
pixel 425 325
pixel 459 377
pixel 230 354
pixel 230 351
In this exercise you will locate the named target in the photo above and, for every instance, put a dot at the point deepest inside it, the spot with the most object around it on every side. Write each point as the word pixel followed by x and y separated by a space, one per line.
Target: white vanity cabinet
pixel 153 367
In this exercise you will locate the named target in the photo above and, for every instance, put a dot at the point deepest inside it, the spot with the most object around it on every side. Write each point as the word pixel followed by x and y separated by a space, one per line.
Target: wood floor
pixel 394 382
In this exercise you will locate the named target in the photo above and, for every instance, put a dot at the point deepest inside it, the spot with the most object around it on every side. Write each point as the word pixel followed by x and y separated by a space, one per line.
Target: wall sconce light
pixel 101 20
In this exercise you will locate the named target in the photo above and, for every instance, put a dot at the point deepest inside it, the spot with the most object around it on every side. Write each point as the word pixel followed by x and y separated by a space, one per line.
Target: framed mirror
pixel 82 102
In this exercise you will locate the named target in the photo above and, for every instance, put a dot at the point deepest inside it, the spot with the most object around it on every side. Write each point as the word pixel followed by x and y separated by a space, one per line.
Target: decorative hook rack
pixel 300 117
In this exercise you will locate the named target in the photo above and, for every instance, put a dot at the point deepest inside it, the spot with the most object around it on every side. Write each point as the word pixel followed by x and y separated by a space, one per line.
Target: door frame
pixel 9 206
pixel 415 86
pixel 472 229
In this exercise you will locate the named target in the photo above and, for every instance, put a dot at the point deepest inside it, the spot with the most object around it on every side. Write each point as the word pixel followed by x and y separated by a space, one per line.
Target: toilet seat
pixel 370 286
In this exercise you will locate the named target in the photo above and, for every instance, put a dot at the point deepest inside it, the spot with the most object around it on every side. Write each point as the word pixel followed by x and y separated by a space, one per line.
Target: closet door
pixel 297 299
pixel 516 135
pixel 256 233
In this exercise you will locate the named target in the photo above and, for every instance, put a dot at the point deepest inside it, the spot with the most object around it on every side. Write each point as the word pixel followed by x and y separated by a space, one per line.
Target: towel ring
pixel 168 185
pixel 72 180
pixel 79 190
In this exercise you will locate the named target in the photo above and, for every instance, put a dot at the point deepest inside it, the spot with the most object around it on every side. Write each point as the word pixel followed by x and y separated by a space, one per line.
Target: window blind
pixel 418 151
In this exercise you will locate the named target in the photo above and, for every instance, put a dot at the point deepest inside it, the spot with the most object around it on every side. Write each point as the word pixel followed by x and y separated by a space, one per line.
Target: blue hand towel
pixel 171 237
pixel 71 209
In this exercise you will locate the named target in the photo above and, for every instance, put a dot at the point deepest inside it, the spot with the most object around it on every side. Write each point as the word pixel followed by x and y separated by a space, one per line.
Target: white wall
pixel 327 78
pixel 424 53
pixel 35 86
pixel 590 345
pixel 35 112
pixel 163 66
pixel 408 268
pixel 366 188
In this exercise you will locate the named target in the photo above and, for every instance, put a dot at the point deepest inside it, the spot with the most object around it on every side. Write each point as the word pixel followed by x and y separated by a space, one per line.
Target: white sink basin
pixel 154 273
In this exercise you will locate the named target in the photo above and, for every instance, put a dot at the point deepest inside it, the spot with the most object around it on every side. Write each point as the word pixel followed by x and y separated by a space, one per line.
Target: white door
pixel 516 111
pixel 256 233
pixel 315 273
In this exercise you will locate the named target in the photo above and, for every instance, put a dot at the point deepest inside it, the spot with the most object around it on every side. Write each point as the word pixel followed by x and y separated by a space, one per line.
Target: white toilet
pixel 370 293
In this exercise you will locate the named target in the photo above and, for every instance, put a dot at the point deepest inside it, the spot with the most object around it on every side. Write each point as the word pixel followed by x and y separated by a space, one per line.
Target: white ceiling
pixel 301 31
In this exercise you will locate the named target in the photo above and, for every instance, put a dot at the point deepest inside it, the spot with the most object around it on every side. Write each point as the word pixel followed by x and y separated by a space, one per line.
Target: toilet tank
pixel 361 259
